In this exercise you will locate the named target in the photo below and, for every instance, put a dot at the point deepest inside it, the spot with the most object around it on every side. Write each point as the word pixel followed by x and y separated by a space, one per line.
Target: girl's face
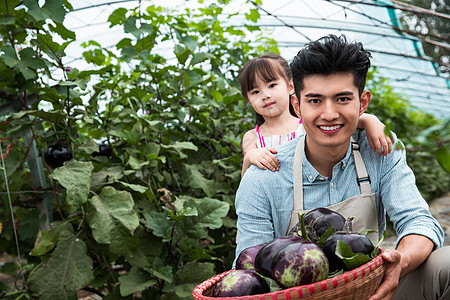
pixel 271 99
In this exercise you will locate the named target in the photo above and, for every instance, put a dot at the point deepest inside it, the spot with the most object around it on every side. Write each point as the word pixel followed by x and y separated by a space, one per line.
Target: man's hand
pixel 391 276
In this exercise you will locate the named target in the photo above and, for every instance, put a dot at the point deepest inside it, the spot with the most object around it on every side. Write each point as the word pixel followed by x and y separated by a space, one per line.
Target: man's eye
pixel 314 101
pixel 343 99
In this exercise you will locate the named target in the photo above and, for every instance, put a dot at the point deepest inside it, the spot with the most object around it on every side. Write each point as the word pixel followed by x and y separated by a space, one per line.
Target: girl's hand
pixel 264 158
pixel 378 140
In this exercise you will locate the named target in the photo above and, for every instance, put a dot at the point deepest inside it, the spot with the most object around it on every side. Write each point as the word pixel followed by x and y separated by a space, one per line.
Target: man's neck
pixel 323 159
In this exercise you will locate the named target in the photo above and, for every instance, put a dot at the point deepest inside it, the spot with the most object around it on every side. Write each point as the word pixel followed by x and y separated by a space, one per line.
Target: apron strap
pixel 298 185
pixel 298 176
pixel 363 178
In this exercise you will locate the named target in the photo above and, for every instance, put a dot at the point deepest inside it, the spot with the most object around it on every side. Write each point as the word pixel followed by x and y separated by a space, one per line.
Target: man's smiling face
pixel 330 107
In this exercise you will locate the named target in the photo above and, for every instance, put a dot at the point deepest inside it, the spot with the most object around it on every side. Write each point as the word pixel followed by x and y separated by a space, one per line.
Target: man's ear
pixel 296 105
pixel 364 102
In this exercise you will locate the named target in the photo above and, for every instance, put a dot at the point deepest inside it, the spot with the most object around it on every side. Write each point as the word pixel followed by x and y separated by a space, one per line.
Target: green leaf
pixel 107 175
pixel 132 136
pixel 48 238
pixel 197 180
pixel 190 43
pixel 129 26
pixel 160 270
pixel 216 95
pixel 377 247
pixel 253 15
pixel 63 32
pixel 89 147
pixel 201 57
pixel 179 147
pixel 110 210
pixel 122 242
pixel 75 176
pixel 188 277
pixel 210 214
pixel 9 56
pixel 135 187
pixel 7 21
pixel 65 272
pixel 52 9
pixel 137 164
pixel 179 49
pixel 193 79
pixel 351 260
pixel 443 156
pixel 302 225
pixel 136 280
pixel 43 244
pixel 329 232
pixel 149 247
pixel 52 116
pixel 118 16
pixel 115 295
pixel 159 223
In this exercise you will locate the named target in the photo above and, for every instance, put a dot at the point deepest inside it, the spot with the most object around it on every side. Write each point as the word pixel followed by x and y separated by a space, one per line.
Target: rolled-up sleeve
pixel 255 223
pixel 403 202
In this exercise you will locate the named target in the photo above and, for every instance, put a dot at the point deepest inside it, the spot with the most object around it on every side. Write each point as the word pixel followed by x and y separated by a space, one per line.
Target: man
pixel 326 168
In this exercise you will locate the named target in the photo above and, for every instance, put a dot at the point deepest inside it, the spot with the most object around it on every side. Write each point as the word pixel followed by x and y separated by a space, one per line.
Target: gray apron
pixel 363 207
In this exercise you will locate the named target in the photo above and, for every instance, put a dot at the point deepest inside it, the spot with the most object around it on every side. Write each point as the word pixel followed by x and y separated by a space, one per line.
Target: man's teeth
pixel 330 127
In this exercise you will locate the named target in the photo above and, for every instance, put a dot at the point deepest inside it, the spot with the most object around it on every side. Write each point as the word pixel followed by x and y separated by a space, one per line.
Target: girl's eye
pixel 254 92
pixel 272 85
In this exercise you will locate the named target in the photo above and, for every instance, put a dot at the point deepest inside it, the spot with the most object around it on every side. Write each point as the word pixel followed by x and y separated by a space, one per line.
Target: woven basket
pixel 359 283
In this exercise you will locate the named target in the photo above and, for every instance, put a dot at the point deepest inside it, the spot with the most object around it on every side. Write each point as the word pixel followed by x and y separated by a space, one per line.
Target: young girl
pixel 266 83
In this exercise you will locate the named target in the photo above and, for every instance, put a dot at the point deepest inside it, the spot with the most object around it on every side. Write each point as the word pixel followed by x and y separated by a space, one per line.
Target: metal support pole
pixel 38 180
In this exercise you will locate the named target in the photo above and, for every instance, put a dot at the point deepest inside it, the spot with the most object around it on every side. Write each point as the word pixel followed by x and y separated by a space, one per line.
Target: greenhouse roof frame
pixel 397 54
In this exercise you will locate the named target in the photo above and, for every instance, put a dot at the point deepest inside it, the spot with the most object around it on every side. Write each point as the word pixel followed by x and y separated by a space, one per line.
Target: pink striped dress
pixel 277 140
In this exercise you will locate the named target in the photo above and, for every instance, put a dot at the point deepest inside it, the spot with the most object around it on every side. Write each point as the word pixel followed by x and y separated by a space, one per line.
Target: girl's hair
pixel 268 67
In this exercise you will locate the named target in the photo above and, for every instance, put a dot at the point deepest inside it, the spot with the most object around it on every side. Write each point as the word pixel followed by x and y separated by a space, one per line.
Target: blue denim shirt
pixel 264 199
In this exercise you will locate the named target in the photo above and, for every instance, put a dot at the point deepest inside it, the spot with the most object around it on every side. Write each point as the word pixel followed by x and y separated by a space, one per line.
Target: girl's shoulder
pixel 249 140
pixel 251 134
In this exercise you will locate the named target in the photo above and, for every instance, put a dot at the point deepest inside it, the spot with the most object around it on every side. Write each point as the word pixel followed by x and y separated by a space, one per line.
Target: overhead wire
pixel 278 20
pixel 405 31
pixel 400 6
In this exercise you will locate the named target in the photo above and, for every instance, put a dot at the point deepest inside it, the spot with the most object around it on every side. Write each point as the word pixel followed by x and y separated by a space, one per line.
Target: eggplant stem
pixel 348 226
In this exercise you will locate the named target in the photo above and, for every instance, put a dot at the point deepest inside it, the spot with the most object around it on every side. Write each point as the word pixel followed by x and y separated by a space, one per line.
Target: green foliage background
pixel 157 217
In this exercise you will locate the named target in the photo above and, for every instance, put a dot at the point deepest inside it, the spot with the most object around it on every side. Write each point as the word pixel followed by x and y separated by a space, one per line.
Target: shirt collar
pixel 311 173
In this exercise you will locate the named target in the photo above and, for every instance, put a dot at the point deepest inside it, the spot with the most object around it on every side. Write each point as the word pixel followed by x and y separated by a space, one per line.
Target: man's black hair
pixel 329 55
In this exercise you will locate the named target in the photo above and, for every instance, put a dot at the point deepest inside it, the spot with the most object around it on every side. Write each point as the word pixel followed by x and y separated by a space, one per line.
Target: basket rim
pixel 314 287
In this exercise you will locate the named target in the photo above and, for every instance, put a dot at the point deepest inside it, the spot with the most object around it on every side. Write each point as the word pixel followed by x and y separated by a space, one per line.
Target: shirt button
pixel 331 184
pixel 321 178
pixel 344 165
pixel 310 177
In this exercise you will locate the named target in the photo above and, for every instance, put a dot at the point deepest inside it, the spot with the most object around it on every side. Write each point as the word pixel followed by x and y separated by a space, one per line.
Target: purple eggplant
pixel 263 260
pixel 358 243
pixel 246 259
pixel 240 283
pixel 104 150
pixel 56 155
pixel 298 264
pixel 318 220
